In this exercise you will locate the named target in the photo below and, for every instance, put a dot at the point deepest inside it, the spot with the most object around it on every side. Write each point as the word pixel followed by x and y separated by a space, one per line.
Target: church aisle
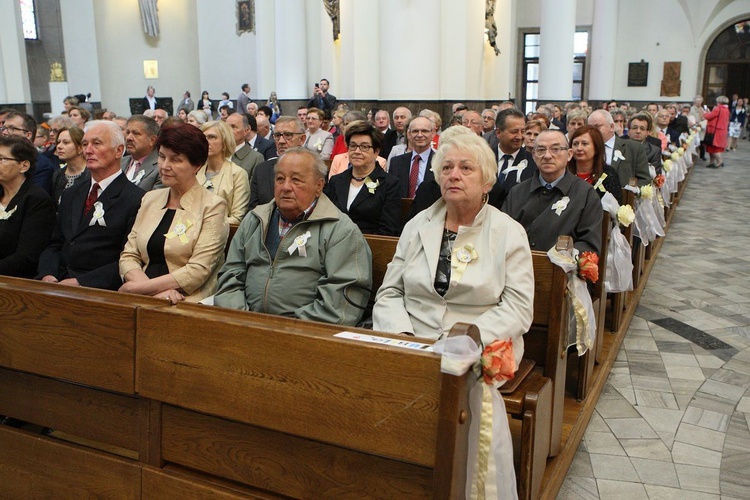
pixel 673 419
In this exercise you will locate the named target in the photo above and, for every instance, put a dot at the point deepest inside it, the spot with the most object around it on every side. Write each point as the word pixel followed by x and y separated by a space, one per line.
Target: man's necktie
pixel 414 177
pixel 506 162
pixel 548 186
pixel 93 195
pixel 135 167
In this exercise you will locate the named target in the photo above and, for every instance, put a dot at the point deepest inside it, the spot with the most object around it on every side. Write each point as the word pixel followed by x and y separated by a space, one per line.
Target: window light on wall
pixel 28 20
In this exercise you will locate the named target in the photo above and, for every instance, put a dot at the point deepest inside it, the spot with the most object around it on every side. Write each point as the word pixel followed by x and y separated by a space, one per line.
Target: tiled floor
pixel 672 421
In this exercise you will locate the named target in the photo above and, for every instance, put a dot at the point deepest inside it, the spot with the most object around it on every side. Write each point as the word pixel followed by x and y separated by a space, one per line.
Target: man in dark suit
pixel 414 168
pixel 140 165
pixel 95 218
pixel 260 144
pixel 401 117
pixel 662 123
pixel 289 133
pixel 677 121
pixel 513 164
pixel 149 101
pixel 639 127
pixel 555 202
pixel 627 158
pixel 244 155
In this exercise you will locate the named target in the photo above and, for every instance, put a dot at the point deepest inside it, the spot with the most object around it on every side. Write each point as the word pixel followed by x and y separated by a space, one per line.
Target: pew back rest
pixel 383 249
pixel 77 334
pixel 253 368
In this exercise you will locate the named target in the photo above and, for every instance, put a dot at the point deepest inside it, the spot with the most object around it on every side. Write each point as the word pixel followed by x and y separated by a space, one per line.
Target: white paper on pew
pixel 374 339
pixel 208 301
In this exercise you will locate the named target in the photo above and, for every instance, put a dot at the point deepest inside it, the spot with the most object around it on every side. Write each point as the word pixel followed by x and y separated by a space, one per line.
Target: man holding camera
pixel 321 99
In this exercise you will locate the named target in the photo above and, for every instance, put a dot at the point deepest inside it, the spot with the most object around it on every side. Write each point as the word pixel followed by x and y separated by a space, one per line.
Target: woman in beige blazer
pixel 222 177
pixel 462 260
pixel 176 246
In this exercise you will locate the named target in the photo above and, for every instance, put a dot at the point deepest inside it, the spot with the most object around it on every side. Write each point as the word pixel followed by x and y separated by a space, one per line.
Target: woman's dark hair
pixel 363 127
pixel 266 110
pixel 186 139
pixel 21 150
pixel 599 154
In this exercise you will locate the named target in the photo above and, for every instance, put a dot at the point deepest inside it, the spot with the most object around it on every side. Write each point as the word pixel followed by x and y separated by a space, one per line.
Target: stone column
pixel 291 52
pixel 603 49
pixel 557 29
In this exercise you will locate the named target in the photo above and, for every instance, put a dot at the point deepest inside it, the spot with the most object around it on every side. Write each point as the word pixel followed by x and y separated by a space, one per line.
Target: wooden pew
pixel 405 208
pixel 281 405
pixel 382 248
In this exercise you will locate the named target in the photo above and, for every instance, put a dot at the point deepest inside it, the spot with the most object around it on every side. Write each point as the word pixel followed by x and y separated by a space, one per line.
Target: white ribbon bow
pixel 6 215
pixel 560 205
pixel 138 177
pixel 518 169
pixel 299 245
pixel 617 155
pixel 98 217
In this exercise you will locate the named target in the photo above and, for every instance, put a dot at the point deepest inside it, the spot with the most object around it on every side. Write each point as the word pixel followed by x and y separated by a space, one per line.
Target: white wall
pixel 123 46
pixel 81 66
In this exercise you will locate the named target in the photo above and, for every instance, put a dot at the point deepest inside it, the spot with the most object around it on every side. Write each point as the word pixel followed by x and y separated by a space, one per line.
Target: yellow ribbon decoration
pixel 460 258
pixel 485 441
pixel 179 231
pixel 599 184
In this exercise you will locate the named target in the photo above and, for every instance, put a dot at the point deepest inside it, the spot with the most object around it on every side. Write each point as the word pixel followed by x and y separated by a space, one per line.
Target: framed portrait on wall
pixel 245 16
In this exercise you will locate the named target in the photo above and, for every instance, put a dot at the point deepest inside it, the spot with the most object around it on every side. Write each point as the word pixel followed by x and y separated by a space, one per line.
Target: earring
pixel 485 197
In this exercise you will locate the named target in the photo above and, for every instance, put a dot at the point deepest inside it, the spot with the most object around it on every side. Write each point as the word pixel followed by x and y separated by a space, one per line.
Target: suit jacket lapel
pixel 107 199
pixel 79 193
pixel 432 237
pixel 364 193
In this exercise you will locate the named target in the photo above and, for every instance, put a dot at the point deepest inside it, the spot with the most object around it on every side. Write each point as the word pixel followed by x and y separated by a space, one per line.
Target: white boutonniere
pixel 460 258
pixel 299 245
pixel 319 145
pixel 98 217
pixel 138 177
pixel 208 184
pixel 180 230
pixel 600 183
pixel 617 155
pixel 371 186
pixel 560 205
pixel 6 215
pixel 466 253
pixel 518 169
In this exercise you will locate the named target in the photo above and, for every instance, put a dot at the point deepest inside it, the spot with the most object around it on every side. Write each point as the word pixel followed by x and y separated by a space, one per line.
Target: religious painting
pixel 150 69
pixel 245 16
pixel 670 84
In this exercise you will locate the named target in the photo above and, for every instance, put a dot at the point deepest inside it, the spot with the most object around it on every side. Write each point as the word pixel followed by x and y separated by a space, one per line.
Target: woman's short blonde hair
pixel 577 114
pixel 226 134
pixel 464 139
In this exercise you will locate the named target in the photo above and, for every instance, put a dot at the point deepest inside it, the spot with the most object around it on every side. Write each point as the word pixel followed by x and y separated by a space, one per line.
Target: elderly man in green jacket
pixel 298 255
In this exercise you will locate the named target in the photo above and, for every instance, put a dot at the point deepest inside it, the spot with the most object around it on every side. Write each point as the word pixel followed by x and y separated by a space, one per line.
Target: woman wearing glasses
pixel 220 175
pixel 27 214
pixel 365 192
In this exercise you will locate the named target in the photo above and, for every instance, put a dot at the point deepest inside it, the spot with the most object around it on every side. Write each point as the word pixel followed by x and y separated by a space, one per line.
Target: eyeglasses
pixel 362 147
pixel 554 150
pixel 286 135
pixel 3 159
pixel 12 129
pixel 420 131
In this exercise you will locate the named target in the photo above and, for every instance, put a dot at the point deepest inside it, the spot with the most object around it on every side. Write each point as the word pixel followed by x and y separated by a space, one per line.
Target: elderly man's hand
pixel 70 282
pixel 49 279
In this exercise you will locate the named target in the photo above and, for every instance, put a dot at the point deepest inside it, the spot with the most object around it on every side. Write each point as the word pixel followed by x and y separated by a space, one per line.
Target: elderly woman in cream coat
pixel 462 260
pixel 176 246
pixel 220 175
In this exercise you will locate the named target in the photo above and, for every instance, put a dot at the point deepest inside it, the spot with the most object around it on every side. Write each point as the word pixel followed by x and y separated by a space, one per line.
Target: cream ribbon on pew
pixel 489 469
pixel 580 300
pixel 619 276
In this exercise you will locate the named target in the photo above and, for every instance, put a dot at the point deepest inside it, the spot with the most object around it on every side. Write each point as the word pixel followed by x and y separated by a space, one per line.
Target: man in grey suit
pixel 289 133
pixel 244 156
pixel 627 158
pixel 186 103
pixel 140 165
pixel 244 98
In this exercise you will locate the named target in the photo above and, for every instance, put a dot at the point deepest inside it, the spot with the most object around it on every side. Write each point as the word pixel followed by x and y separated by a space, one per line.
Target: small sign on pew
pixel 363 337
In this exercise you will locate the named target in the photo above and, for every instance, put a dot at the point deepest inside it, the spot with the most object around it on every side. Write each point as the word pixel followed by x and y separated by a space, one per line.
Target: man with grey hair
pixel 298 255
pixel 289 133
pixel 401 117
pixel 627 158
pixel 488 122
pixel 95 217
pixel 140 165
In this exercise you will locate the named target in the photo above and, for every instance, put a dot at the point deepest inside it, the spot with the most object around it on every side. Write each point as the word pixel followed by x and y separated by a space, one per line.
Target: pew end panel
pixel 383 248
